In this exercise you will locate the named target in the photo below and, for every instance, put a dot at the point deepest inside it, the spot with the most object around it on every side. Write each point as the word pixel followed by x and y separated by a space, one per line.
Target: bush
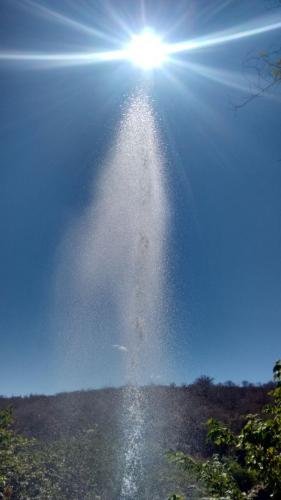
pixel 246 465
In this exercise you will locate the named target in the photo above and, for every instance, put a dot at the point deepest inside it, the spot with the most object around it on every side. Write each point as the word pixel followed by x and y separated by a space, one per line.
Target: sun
pixel 146 50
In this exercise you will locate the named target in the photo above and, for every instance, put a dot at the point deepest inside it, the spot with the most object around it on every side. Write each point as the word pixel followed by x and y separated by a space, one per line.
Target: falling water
pixel 117 263
pixel 142 292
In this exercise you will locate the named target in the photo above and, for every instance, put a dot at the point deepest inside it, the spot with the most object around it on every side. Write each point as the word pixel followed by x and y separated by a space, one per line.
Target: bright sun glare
pixel 146 50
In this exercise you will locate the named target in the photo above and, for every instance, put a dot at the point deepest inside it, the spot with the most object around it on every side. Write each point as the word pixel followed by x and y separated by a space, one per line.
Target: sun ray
pixel 223 77
pixel 61 59
pixel 147 46
pixel 230 79
pixel 117 18
pixel 55 16
pixel 223 37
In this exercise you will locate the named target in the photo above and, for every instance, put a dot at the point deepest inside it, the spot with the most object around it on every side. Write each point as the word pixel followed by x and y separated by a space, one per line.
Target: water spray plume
pixel 118 263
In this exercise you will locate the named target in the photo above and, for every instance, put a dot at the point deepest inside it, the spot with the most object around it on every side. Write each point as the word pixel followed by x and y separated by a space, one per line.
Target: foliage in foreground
pixel 69 468
pixel 247 465
pixel 83 466
pixel 73 446
pixel 19 474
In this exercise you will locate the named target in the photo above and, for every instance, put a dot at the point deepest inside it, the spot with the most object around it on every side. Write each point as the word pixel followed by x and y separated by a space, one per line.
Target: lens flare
pixel 146 50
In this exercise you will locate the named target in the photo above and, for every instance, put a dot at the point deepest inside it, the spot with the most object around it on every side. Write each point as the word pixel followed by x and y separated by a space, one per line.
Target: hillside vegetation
pixel 70 445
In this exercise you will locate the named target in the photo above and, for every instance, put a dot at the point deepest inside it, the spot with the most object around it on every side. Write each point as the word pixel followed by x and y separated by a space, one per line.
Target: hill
pixel 178 413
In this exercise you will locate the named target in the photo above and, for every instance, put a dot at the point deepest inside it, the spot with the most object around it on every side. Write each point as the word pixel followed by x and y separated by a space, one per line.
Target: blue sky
pixel 223 171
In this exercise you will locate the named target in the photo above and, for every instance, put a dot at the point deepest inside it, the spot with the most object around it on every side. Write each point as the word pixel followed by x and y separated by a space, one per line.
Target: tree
pixel 267 66
pixel 246 465
pixel 19 474
pixel 75 467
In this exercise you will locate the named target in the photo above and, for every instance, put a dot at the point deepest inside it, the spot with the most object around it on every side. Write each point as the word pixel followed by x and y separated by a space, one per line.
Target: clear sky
pixel 223 170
